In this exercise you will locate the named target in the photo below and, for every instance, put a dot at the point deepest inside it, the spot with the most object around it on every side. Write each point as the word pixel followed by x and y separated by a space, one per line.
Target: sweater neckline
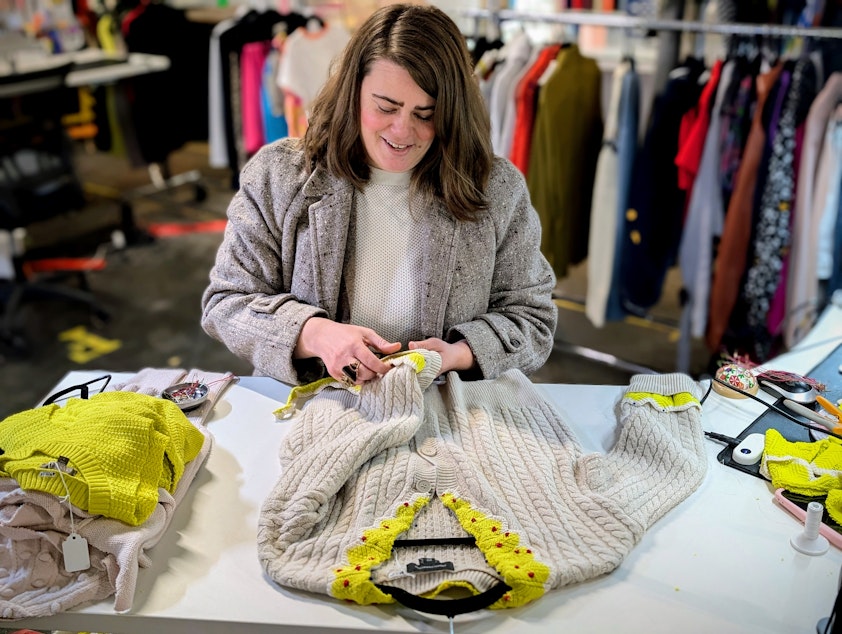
pixel 395 179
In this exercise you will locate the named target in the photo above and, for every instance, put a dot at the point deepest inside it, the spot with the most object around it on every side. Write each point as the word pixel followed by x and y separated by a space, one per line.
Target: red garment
pixel 525 104
pixel 126 24
pixel 693 130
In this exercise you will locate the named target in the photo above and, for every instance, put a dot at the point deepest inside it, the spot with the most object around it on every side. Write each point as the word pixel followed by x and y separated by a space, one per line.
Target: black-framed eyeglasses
pixel 83 388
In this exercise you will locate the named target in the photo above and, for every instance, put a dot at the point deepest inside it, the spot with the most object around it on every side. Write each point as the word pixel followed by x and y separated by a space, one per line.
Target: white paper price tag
pixel 76 556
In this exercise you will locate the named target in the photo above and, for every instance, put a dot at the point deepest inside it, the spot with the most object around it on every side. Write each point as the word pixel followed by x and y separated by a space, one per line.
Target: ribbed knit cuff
pixel 665 384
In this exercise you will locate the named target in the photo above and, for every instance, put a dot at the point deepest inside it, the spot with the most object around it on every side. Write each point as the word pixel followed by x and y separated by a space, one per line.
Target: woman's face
pixel 396 120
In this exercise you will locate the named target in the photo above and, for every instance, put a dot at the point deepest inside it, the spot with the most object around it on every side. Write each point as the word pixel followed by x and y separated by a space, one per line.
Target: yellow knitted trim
pixel 304 392
pixel 806 468
pixel 515 563
pixel 674 401
pixel 447 585
pixel 353 582
pixel 833 504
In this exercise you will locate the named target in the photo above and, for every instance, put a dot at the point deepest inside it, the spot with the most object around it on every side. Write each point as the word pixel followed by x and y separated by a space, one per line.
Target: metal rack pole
pixel 624 21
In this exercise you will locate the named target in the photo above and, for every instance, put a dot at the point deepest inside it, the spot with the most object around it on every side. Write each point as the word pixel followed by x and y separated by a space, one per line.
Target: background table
pixel 720 562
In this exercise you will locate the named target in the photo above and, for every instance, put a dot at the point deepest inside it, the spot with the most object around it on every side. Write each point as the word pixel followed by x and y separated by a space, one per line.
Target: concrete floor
pixel 152 291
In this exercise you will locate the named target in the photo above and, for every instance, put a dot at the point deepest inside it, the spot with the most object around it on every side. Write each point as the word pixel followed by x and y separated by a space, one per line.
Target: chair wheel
pixel 200 193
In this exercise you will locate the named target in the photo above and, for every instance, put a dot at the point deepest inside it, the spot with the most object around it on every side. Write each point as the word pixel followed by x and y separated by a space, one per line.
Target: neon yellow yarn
pixel 121 447
pixel 354 581
pixel 502 549
pixel 303 392
pixel 664 401
pixel 807 468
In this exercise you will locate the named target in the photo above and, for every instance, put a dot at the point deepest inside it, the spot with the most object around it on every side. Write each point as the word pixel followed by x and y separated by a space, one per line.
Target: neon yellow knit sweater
pixel 121 446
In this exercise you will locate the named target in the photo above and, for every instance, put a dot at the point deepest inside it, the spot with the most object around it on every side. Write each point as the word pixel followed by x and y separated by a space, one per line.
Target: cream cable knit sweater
pixel 405 459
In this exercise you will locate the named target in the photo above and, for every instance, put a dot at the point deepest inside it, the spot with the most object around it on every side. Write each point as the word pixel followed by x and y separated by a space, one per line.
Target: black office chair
pixel 37 182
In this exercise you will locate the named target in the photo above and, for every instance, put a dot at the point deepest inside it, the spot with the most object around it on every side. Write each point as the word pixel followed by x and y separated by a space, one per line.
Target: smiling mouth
pixel 395 146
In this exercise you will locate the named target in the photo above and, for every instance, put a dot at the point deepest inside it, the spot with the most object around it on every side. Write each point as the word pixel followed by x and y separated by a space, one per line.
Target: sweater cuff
pixel 665 384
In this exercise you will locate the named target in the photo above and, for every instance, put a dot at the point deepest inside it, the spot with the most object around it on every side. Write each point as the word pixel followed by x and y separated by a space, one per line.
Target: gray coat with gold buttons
pixel 284 253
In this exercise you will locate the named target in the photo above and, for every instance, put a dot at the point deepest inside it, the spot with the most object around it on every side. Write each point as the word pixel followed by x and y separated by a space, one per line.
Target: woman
pixel 391 225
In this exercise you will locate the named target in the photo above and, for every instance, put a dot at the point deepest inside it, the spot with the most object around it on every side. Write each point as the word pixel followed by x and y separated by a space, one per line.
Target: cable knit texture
pixel 407 459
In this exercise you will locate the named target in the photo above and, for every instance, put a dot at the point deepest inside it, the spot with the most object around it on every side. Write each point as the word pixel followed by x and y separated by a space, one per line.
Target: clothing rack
pixel 623 21
pixel 635 24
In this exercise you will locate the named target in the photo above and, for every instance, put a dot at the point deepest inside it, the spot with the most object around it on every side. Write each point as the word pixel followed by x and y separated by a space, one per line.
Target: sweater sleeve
pixel 249 305
pixel 659 457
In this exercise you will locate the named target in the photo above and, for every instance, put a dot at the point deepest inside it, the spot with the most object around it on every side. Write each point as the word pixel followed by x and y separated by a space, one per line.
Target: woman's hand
pixel 454 356
pixel 339 345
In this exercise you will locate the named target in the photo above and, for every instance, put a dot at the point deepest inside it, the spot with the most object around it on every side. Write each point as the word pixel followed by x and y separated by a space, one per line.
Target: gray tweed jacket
pixel 284 253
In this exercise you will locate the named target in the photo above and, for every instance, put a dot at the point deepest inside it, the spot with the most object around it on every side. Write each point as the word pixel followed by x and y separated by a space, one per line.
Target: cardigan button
pixel 422 486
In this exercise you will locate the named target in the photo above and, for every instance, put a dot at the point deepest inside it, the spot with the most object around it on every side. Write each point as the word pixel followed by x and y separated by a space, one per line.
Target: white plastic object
pixel 750 450
pixel 118 239
pixel 809 541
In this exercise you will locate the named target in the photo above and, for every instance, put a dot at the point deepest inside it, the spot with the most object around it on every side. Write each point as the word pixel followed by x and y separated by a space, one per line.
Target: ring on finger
pixel 350 370
pixel 346 381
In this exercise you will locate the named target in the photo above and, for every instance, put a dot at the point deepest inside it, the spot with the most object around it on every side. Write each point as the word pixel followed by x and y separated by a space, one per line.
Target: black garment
pixel 254 26
pixel 169 108
pixel 482 46
pixel 653 224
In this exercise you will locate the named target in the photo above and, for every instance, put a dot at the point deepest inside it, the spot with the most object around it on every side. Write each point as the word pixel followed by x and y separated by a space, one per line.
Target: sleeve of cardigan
pixel 247 305
pixel 659 458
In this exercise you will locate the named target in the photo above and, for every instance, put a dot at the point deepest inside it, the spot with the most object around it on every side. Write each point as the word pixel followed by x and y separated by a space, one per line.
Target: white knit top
pixel 383 291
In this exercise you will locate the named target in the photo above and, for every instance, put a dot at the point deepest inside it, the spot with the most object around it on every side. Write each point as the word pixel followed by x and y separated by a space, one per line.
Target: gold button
pixel 635 237
pixel 631 215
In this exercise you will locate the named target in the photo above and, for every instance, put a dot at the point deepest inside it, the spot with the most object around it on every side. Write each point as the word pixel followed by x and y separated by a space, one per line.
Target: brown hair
pixel 428 45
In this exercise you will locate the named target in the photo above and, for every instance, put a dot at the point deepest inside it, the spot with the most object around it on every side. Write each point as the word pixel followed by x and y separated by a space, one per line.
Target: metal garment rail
pixel 624 21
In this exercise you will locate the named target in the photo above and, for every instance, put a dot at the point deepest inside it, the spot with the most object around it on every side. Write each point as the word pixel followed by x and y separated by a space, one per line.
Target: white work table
pixel 719 562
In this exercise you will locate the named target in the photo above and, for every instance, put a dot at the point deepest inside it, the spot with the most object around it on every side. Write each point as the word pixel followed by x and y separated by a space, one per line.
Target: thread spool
pixel 809 541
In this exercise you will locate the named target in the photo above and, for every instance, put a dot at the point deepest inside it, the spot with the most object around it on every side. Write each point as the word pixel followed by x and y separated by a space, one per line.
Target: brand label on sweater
pixel 428 564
